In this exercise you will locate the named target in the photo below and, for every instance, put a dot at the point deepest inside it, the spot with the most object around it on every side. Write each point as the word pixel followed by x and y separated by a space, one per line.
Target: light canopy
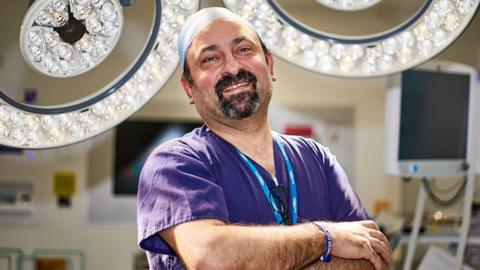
pixel 432 29
pixel 32 127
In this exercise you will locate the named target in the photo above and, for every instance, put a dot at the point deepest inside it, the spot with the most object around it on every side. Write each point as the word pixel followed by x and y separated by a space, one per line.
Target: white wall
pixel 55 228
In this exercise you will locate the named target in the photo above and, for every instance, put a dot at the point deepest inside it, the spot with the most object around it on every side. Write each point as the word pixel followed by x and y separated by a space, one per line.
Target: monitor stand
pixel 464 229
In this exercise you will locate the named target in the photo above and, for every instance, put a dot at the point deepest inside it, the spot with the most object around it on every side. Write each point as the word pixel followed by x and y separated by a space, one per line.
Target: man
pixel 221 196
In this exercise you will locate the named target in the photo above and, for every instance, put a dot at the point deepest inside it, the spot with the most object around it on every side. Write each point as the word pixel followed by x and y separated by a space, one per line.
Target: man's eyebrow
pixel 238 40
pixel 212 47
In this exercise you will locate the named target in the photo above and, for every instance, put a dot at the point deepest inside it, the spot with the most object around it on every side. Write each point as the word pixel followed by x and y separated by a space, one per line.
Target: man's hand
pixel 360 240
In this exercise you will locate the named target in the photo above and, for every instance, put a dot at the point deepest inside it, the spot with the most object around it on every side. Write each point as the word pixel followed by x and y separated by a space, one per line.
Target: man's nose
pixel 231 65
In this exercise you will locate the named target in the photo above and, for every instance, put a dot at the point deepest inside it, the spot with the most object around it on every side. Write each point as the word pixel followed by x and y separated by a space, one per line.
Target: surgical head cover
pixel 196 22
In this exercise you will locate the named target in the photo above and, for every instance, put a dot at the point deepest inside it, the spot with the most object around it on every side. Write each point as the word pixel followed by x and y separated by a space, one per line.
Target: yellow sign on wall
pixel 64 183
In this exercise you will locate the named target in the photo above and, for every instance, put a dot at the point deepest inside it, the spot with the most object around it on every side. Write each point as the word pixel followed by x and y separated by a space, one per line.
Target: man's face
pixel 231 76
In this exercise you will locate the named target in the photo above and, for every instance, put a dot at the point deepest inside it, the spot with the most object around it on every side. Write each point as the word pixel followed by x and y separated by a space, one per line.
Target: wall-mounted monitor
pixel 10 150
pixel 134 141
pixel 429 120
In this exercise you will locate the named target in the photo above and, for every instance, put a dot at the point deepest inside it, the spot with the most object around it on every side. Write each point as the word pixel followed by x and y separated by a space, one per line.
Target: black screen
pixel 8 149
pixel 135 140
pixel 434 115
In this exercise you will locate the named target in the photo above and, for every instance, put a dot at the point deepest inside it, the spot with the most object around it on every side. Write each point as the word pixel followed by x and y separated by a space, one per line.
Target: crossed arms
pixel 212 244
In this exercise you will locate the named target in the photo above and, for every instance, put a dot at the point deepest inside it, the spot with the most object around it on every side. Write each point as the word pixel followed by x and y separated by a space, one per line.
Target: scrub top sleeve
pixel 175 186
pixel 346 205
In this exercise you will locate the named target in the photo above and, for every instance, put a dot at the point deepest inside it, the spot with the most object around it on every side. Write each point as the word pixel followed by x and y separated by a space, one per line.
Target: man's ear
pixel 270 65
pixel 188 90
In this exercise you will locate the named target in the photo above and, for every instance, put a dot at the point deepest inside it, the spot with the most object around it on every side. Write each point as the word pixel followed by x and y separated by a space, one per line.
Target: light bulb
pixel 348 5
pixel 45 35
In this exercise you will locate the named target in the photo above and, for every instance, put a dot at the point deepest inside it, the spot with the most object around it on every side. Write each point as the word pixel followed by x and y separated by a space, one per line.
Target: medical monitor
pixel 429 115
pixel 134 141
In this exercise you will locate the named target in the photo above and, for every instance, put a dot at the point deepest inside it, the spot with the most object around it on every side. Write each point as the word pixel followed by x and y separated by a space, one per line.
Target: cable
pixel 437 200
pixel 445 190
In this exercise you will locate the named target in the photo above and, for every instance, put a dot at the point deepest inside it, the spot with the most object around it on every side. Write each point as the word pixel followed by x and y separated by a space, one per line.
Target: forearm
pixel 212 244
pixel 264 247
pixel 341 264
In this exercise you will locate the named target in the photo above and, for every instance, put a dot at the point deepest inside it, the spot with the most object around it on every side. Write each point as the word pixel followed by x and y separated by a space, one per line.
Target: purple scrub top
pixel 202 176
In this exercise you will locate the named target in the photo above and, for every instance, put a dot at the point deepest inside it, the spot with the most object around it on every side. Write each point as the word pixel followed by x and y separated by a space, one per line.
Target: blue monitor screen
pixel 434 115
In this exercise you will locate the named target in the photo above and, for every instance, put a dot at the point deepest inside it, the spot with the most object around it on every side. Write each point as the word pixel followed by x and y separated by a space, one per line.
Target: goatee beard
pixel 240 105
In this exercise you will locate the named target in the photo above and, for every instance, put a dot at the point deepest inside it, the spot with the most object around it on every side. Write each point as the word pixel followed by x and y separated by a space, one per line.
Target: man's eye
pixel 209 59
pixel 244 49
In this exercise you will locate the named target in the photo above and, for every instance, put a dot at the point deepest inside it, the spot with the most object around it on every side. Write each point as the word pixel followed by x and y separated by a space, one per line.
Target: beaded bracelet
pixel 326 256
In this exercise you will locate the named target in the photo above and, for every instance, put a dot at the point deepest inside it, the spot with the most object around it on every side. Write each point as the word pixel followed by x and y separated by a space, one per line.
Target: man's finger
pixel 379 235
pixel 370 224
pixel 381 249
pixel 376 261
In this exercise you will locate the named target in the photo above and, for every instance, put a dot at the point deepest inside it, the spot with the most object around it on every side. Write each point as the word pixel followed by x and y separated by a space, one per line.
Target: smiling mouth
pixel 236 86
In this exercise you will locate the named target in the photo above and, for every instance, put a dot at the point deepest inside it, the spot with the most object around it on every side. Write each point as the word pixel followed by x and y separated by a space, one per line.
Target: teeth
pixel 236 85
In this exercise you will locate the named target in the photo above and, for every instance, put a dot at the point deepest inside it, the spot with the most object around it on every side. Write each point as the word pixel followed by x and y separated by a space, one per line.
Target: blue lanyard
pixel 266 190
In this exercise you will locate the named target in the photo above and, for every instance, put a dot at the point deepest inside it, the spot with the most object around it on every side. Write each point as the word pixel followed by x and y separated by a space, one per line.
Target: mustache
pixel 229 80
